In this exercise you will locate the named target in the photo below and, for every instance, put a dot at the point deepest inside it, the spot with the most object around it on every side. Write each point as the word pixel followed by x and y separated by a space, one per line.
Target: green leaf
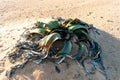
pixel 42 31
pixel 72 22
pixel 76 27
pixel 53 25
pixel 40 24
pixel 80 52
pixel 49 39
pixel 66 49
pixel 81 34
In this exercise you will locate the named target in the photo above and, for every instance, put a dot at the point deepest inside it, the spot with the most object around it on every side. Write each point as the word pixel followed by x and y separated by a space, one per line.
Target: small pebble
pixel 118 29
pixel 109 21
pixel 13 38
pixel 89 13
pixel 101 17
pixel 57 69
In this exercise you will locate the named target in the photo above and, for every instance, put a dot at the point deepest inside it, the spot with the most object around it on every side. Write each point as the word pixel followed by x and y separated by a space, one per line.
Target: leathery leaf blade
pixel 66 49
pixel 48 40
pixel 75 27
pixel 53 25
pixel 42 31
pixel 80 52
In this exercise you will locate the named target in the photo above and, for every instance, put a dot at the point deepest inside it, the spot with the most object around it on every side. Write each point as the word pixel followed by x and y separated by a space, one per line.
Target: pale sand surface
pixel 17 15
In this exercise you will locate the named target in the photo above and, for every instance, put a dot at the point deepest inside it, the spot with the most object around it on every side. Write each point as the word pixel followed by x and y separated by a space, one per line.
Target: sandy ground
pixel 17 15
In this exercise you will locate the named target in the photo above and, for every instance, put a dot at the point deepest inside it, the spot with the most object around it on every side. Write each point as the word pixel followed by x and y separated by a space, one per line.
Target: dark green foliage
pixel 64 31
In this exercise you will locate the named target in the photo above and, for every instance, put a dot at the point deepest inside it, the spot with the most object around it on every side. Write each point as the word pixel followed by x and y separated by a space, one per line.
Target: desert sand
pixel 18 15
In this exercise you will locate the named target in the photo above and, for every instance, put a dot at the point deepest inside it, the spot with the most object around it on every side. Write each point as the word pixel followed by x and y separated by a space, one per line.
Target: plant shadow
pixel 46 71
